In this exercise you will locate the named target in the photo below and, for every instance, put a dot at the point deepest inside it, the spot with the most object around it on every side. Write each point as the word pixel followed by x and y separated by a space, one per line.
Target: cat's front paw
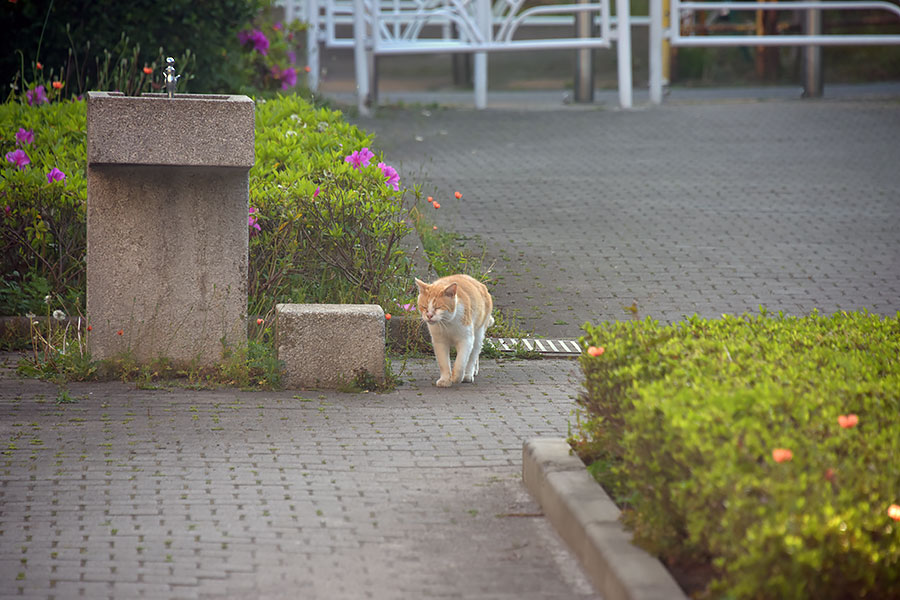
pixel 443 382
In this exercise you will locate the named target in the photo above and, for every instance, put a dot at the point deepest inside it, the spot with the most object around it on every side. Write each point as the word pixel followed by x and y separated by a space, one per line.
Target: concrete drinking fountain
pixel 167 236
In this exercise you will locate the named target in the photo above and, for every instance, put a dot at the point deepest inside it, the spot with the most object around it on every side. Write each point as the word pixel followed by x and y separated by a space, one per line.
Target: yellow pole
pixel 666 46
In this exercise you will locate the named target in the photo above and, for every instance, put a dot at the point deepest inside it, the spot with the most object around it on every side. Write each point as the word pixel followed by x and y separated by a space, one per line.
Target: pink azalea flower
pixel 316 193
pixel 55 175
pixel 24 136
pixel 407 307
pixel 288 78
pixel 391 176
pixel 252 223
pixel 360 158
pixel 37 96
pixel 18 158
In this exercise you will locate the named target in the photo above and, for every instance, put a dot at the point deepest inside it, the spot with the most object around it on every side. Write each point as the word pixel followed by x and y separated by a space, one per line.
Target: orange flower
pixel 436 204
pixel 120 332
pixel 430 199
pixel 435 228
pixel 458 195
pixel 829 474
pixel 781 455
pixel 90 328
pixel 259 321
pixel 595 351
pixel 147 70
pixel 894 511
pixel 39 66
pixel 387 316
pixel 848 421
pixel 307 68
pixel 57 85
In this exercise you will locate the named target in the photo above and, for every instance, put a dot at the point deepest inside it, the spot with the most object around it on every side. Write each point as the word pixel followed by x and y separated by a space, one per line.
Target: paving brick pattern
pixel 704 207
pixel 175 493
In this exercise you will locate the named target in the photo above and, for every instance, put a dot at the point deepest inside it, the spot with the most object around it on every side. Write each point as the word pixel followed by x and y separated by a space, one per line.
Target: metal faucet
pixel 171 77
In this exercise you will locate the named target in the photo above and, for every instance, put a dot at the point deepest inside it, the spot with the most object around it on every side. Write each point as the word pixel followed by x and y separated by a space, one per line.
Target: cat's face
pixel 436 303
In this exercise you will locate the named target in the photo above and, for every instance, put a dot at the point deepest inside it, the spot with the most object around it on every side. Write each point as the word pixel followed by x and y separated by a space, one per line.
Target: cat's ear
pixel 421 285
pixel 450 290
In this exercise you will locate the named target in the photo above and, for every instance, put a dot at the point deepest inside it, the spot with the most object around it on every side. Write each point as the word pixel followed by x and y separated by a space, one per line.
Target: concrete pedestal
pixel 167 236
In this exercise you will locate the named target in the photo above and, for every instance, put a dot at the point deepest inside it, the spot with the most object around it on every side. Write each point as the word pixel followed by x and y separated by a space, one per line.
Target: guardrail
pixel 676 38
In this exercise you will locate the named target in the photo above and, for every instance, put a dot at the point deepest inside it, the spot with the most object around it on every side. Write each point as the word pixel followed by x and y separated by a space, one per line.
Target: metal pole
pixel 623 51
pixel 812 56
pixel 656 49
pixel 485 26
pixel 360 60
pixel 584 57
pixel 312 44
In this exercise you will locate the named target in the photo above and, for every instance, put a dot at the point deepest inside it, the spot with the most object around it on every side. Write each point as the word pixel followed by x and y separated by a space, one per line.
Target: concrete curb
pixel 588 520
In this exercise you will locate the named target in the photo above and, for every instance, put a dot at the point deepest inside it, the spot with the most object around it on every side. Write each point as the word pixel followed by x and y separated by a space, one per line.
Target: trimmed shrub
pixel 729 443
pixel 42 219
pixel 321 231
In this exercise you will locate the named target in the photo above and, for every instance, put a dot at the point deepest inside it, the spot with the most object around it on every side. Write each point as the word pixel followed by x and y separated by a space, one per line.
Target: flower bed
pixel 762 452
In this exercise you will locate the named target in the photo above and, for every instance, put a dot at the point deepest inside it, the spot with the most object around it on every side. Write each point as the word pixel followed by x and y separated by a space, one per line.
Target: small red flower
pixel 595 351
pixel 430 199
pixel 39 66
pixel 458 195
pixel 894 511
pixel 259 321
pixel 781 455
pixel 120 332
pixel 829 474
pixel 57 85
pixel 90 328
pixel 147 70
pixel 307 68
pixel 387 316
pixel 848 421
pixel 436 204
pixel 435 228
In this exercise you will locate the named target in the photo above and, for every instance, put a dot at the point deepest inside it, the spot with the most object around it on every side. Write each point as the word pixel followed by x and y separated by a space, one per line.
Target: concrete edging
pixel 588 521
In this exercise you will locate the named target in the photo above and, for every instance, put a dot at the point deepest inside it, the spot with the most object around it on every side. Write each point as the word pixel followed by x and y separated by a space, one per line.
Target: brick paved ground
pixel 175 493
pixel 706 207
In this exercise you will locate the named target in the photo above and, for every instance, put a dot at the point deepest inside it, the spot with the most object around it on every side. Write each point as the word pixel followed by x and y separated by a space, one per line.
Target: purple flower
pixel 288 78
pixel 252 223
pixel 360 158
pixel 18 158
pixel 260 42
pixel 55 175
pixel 316 193
pixel 392 178
pixel 407 307
pixel 24 136
pixel 292 57
pixel 37 96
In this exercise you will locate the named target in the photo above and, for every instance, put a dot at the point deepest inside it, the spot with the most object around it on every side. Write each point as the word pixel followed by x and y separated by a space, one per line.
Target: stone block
pixel 328 345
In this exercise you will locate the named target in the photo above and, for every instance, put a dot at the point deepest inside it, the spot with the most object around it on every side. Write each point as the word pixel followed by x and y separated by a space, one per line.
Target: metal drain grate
pixel 549 347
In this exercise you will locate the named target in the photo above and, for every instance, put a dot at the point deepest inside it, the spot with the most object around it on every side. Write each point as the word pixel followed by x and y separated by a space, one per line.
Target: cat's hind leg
pixel 472 364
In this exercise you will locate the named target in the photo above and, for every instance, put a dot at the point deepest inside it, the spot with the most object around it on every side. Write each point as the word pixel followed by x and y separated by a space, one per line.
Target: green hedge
pixel 338 245
pixel 681 423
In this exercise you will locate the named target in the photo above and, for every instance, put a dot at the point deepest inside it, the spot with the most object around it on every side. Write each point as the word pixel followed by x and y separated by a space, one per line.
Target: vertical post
pixel 623 51
pixel 656 50
pixel 485 28
pixel 312 44
pixel 360 58
pixel 812 56
pixel 666 43
pixel 584 57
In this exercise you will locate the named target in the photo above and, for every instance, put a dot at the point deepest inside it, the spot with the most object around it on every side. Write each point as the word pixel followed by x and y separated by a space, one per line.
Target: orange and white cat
pixel 457 309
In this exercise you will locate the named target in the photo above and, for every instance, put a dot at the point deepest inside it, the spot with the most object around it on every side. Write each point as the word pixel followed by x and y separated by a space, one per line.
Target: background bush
pixel 208 28
pixel 340 245
pixel 682 421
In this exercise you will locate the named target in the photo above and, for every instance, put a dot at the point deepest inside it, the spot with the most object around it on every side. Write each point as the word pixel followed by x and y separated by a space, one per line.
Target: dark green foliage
pixel 682 421
pixel 206 27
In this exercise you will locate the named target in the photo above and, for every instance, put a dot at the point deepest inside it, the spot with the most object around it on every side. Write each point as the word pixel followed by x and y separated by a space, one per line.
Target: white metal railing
pixel 391 27
pixel 679 8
